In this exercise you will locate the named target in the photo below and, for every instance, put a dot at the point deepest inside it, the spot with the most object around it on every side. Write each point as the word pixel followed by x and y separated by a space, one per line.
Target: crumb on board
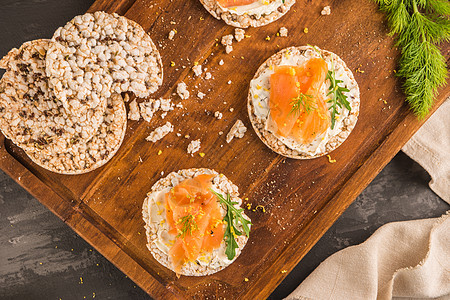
pixel 227 41
pixel 326 11
pixel 237 131
pixel 218 115
pixel 182 90
pixel 150 107
pixel 172 34
pixel 201 154
pixel 208 75
pixel 193 146
pixel 197 70
pixel 221 62
pixel 283 32
pixel 133 114
pixel 201 95
pixel 159 132
pixel 239 34
pixel 229 82
pixel 306 30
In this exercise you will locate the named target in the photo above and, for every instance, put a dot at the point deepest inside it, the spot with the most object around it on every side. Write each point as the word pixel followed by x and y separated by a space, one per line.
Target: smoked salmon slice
pixel 290 84
pixel 193 215
pixel 231 3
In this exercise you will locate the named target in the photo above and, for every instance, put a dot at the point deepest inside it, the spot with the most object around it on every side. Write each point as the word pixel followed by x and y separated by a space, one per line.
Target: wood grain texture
pixel 302 199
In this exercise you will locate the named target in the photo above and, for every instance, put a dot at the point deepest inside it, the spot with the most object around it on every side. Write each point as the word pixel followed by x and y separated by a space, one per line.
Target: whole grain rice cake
pixel 30 114
pixel 297 55
pixel 260 13
pixel 96 54
pixel 84 157
pixel 208 263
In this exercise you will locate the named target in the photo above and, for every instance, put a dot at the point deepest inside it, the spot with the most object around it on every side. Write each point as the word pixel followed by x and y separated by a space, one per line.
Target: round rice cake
pixel 259 95
pixel 259 13
pixel 30 114
pixel 154 211
pixel 96 54
pixel 84 157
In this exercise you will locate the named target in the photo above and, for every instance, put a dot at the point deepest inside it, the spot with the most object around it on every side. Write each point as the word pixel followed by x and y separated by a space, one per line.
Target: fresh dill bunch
pixel 420 25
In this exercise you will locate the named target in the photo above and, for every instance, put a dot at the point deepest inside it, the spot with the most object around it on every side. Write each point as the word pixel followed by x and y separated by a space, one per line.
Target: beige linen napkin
pixel 411 259
pixel 430 147
pixel 402 259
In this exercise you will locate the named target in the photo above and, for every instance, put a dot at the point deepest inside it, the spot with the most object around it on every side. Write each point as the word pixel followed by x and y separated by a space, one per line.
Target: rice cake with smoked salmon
pixel 247 13
pixel 159 216
pixel 260 114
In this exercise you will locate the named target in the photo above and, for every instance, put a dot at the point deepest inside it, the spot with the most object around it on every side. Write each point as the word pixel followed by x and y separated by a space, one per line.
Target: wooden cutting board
pixel 301 199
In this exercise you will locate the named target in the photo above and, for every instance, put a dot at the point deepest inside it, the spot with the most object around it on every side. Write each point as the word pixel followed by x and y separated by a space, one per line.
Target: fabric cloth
pixel 408 259
pixel 401 260
pixel 430 147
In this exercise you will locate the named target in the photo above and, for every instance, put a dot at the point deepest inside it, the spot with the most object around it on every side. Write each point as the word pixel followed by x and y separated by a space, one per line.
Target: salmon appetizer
pixel 187 216
pixel 303 102
pixel 247 13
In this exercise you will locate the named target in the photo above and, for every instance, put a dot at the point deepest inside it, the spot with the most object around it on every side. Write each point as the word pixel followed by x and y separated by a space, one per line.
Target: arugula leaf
pixel 338 98
pixel 335 90
pixel 233 218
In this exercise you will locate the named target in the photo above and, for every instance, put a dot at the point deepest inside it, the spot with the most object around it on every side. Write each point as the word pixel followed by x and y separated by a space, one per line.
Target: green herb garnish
pixel 302 103
pixel 188 225
pixel 419 25
pixel 233 217
pixel 338 98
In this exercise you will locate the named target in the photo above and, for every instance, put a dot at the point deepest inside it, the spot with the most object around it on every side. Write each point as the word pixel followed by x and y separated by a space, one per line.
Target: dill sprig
pixel 338 98
pixel 302 103
pixel 233 217
pixel 188 225
pixel 419 25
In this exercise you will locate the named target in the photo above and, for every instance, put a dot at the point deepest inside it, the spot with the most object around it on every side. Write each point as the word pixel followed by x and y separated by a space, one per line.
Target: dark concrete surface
pixel 42 258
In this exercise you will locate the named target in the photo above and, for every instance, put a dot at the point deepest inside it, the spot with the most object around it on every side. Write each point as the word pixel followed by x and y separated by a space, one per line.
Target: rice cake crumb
pixel 208 75
pixel 283 32
pixel 150 107
pixel 133 114
pixel 197 70
pixel 221 62
pixel 227 41
pixel 201 95
pixel 238 130
pixel 228 49
pixel 193 146
pixel 218 115
pixel 172 34
pixel 182 90
pixel 239 34
pixel 160 132
pixel 326 11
